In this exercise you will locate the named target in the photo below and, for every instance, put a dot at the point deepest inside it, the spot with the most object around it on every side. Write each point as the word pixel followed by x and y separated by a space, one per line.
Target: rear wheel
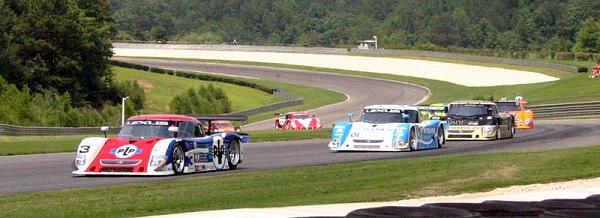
pixel 178 160
pixel 234 154
pixel 441 138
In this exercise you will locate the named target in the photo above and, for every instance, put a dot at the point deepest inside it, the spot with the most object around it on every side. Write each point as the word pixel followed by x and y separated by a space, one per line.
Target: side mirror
pixel 104 129
pixel 349 115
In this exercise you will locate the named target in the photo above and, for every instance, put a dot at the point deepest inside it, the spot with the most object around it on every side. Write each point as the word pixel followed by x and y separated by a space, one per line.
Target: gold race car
pixel 478 120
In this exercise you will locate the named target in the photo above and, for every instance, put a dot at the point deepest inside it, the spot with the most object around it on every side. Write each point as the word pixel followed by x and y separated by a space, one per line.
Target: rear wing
pixel 210 118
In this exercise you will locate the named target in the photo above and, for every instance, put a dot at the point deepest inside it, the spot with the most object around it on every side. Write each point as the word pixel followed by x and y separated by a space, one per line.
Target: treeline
pixel 515 25
pixel 55 66
pixel 26 108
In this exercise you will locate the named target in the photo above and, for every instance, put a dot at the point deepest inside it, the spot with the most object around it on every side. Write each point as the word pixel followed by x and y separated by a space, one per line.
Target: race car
pixel 387 128
pixel 298 120
pixel 161 145
pixel 478 120
pixel 222 126
pixel 523 116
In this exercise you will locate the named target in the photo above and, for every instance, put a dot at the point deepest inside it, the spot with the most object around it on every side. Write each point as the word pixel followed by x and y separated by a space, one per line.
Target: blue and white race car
pixel 387 128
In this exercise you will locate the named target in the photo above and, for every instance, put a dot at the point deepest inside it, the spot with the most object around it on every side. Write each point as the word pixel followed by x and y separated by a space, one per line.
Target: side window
pixel 186 129
pixel 198 132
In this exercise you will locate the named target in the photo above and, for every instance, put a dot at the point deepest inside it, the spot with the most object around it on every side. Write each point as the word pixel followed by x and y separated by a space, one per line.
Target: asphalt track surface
pixel 29 173
pixel 361 91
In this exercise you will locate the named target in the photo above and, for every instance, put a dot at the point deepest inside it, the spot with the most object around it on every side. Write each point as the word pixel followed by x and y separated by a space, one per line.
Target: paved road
pixel 28 173
pixel 361 91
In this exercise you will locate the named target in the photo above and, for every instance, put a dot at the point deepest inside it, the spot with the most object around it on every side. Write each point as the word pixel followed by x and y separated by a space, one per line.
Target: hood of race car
pixel 123 155
pixel 370 131
pixel 360 132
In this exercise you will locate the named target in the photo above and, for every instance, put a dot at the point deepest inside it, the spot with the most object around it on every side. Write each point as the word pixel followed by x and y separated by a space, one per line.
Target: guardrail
pixel 566 109
pixel 47 131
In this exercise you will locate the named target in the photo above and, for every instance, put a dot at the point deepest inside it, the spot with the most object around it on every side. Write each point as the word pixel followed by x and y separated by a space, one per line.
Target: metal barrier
pixel 46 131
pixel 566 109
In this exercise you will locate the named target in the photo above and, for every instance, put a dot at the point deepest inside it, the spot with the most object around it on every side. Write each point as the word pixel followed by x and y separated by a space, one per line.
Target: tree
pixel 588 36
pixel 509 40
pixel 58 45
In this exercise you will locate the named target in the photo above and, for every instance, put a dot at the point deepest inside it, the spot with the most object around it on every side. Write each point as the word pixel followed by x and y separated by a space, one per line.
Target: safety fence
pixel 566 109
pixel 11 130
pixel 46 131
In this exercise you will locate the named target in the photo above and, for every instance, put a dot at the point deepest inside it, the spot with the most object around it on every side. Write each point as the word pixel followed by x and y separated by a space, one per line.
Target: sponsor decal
pixel 126 151
pixel 148 122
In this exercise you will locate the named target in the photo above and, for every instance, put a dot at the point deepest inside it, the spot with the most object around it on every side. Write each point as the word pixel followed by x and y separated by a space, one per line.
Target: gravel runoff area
pixel 577 189
pixel 467 75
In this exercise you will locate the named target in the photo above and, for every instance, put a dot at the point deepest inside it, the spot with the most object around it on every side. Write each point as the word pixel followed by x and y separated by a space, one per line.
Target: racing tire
pixel 441 138
pixel 412 141
pixel 512 131
pixel 178 162
pixel 234 154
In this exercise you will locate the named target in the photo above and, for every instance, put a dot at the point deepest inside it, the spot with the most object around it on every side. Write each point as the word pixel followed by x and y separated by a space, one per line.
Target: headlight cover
pixel 489 130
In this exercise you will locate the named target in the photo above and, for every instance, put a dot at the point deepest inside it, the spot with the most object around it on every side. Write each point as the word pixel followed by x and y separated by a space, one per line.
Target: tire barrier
pixel 588 207
pixel 566 109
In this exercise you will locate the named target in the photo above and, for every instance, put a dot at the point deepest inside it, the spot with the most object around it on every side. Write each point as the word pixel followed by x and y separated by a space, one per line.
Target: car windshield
pixel 388 116
pixel 146 129
pixel 301 116
pixel 469 110
pixel 507 106
pixel 221 124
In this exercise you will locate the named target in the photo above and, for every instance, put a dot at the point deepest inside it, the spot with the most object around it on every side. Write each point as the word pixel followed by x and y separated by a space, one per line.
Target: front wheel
pixel 234 154
pixel 412 140
pixel 178 160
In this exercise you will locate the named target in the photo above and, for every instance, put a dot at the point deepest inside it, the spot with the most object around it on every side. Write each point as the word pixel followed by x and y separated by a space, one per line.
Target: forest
pixel 515 25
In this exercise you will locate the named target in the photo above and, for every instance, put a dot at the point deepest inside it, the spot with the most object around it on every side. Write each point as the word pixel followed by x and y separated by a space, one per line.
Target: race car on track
pixel 298 120
pixel 161 145
pixel 387 128
pixel 222 126
pixel 523 116
pixel 478 120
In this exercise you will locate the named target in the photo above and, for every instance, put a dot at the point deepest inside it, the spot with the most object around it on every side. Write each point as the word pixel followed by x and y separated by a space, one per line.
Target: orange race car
pixel 523 116
pixel 223 126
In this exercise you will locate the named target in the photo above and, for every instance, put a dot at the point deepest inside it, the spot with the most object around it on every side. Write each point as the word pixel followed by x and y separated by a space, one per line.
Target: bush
pixel 204 100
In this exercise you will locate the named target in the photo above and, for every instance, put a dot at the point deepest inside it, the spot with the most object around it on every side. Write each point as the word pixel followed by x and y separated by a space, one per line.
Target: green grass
pixel 18 145
pixel 350 182
pixel 160 90
pixel 571 87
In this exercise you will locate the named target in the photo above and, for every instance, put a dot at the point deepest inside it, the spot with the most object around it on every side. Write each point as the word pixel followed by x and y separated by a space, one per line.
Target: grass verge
pixel 19 145
pixel 350 182
pixel 160 90
pixel 571 86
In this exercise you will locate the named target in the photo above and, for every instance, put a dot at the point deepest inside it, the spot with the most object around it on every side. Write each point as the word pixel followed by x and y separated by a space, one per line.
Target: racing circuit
pixel 27 173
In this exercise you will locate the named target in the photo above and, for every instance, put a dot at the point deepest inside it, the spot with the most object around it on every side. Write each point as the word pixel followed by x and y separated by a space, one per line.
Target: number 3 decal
pixel 84 149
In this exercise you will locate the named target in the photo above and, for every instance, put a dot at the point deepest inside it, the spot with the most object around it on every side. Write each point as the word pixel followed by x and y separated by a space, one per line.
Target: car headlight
pixel 158 160
pixel 400 143
pixel 80 159
pixel 489 130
